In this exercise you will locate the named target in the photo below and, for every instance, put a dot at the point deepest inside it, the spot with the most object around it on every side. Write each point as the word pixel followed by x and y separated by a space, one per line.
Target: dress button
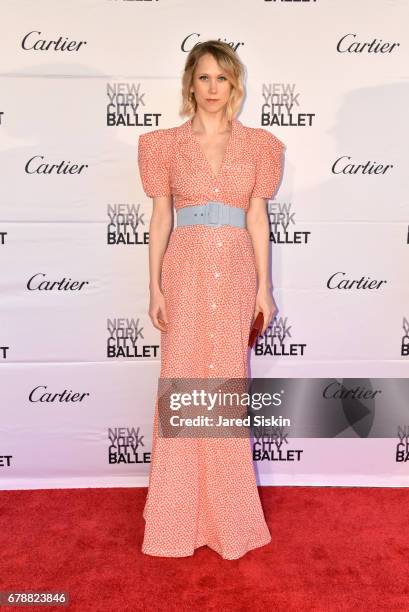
pixel 216 190
pixel 211 365
pixel 217 274
pixel 220 244
pixel 212 335
pixel 213 305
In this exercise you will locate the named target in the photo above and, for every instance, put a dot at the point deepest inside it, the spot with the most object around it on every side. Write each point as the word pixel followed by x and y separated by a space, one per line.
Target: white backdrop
pixel 82 105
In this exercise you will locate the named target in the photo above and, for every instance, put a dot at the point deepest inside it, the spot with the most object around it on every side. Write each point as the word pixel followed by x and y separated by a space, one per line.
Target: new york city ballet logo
pixel 404 351
pixel 282 225
pixel 126 225
pixel 270 430
pixel 6 461
pixel 277 340
pixel 126 340
pixel 271 444
pixel 127 446
pixel 281 105
pixel 402 447
pixel 126 106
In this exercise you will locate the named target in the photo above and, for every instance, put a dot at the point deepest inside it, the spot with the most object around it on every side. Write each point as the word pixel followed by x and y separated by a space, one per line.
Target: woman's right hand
pixel 157 310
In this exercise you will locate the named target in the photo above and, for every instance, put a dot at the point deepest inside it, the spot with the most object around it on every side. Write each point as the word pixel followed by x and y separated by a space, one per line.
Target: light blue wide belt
pixel 213 213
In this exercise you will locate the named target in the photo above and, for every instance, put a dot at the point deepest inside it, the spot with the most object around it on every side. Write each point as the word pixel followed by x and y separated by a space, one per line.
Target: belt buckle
pixel 213 213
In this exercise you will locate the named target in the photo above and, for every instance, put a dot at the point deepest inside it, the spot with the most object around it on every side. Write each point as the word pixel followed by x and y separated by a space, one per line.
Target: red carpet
pixel 333 549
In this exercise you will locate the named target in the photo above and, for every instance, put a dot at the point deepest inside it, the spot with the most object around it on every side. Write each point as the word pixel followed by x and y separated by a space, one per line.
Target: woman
pixel 209 279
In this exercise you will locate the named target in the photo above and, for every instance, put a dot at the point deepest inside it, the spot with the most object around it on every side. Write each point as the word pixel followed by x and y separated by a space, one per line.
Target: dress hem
pixel 191 553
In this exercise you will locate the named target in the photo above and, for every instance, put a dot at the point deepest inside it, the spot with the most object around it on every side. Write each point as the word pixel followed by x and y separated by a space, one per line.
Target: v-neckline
pixel 226 150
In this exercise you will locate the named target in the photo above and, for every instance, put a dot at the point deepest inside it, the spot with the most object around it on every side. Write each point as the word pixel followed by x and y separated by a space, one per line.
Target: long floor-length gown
pixel 203 491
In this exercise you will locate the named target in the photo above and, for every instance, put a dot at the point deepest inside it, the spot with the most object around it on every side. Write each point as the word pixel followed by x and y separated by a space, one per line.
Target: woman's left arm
pixel 258 226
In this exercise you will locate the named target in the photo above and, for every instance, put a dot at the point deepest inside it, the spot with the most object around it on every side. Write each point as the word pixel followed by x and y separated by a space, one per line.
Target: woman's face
pixel 210 85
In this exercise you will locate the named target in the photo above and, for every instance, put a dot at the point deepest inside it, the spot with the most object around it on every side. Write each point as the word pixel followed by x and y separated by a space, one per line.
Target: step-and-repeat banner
pixel 79 356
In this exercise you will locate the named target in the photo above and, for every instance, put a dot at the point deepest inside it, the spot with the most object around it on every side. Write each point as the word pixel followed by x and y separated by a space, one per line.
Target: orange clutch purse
pixel 256 329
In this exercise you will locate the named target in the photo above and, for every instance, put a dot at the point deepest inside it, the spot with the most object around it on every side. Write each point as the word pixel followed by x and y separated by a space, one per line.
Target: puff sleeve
pixel 269 164
pixel 153 163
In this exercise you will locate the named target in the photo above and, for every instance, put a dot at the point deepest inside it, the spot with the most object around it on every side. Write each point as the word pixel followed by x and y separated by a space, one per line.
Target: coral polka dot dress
pixel 203 491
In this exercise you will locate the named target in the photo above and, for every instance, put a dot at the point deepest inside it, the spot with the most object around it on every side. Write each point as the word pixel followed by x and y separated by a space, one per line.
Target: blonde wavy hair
pixel 230 64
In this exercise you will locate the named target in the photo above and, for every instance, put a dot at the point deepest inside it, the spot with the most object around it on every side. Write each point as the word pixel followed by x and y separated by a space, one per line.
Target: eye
pixel 204 76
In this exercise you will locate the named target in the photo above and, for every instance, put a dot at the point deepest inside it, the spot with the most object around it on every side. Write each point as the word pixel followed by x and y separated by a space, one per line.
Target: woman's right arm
pixel 160 228
pixel 154 167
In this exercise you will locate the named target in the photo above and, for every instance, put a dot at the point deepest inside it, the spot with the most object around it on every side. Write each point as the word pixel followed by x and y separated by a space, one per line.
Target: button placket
pixel 213 309
pixel 215 296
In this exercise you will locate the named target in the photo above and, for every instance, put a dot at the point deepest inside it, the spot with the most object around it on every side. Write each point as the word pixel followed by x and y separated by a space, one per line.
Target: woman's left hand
pixel 265 303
